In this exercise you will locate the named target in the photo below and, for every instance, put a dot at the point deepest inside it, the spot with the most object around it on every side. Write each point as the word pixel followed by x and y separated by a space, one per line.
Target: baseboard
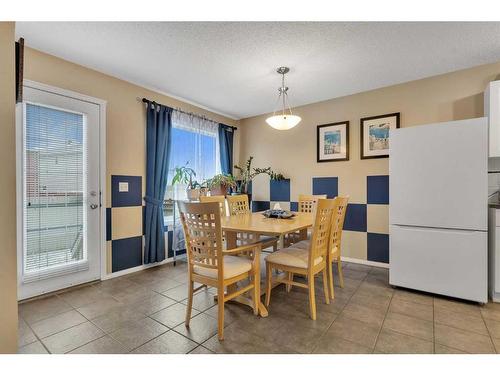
pixel 170 260
pixel 136 269
pixel 365 262
pixel 495 297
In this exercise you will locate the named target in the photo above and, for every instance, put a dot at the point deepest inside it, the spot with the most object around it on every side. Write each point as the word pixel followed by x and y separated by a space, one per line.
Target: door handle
pixel 93 206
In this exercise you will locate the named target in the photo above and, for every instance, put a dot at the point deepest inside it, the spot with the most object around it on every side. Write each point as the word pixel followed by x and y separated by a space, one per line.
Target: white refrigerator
pixel 438 212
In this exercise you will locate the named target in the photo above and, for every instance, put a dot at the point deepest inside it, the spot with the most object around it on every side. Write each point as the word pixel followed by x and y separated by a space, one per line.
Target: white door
pixel 58 183
pixel 438 175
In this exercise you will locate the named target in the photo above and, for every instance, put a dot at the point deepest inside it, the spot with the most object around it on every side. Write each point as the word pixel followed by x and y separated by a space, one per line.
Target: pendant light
pixel 284 119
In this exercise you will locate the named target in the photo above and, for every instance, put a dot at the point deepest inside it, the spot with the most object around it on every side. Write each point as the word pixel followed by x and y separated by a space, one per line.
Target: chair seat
pixel 292 257
pixel 304 244
pixel 233 266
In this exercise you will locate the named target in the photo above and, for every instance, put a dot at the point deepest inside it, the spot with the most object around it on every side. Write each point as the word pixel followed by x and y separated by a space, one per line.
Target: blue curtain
pixel 226 148
pixel 158 140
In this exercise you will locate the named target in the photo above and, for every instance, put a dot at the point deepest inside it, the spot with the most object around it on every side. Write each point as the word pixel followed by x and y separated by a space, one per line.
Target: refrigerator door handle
pixel 436 229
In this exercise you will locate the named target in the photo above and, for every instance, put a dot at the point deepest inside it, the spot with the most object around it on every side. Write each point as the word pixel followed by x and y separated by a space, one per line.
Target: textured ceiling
pixel 230 67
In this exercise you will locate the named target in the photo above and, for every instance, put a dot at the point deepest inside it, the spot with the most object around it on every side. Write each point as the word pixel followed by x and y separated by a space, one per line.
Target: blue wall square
pixel 294 206
pixel 108 224
pixel 378 247
pixel 260 206
pixel 355 217
pixel 133 197
pixel 377 189
pixel 326 185
pixel 126 253
pixel 280 190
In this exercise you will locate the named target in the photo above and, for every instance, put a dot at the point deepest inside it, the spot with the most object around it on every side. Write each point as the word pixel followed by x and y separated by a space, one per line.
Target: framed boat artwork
pixel 332 142
pixel 374 135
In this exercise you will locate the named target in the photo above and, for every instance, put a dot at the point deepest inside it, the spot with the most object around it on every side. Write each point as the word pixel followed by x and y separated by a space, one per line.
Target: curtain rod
pixel 144 100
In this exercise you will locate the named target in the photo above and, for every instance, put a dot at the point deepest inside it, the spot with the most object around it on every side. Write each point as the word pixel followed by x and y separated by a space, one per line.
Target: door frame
pixel 102 165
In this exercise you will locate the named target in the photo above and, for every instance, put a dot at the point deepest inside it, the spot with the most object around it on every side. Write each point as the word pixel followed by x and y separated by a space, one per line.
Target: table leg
pixel 303 234
pixel 244 300
pixel 281 242
pixel 231 243
pixel 231 239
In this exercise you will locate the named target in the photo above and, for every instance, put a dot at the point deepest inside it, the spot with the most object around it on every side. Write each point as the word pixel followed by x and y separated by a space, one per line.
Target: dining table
pixel 260 226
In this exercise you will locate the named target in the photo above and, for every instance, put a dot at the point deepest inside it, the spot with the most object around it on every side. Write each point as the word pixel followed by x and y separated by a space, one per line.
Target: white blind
pixel 54 185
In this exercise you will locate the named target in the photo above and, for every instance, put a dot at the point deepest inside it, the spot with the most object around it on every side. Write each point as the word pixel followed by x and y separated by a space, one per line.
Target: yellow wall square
pixel 261 188
pixel 109 258
pixel 353 245
pixel 378 218
pixel 126 222
pixel 352 184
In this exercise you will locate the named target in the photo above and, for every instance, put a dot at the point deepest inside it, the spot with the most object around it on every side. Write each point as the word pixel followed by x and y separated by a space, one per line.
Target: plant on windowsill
pixel 185 175
pixel 220 183
pixel 247 174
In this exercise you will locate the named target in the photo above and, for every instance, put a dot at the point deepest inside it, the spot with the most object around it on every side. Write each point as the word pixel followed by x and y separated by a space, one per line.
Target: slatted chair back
pixel 203 234
pixel 320 238
pixel 338 224
pixel 221 199
pixel 238 204
pixel 307 202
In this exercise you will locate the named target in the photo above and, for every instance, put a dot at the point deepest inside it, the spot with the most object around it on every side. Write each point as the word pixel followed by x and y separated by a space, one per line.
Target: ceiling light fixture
pixel 284 120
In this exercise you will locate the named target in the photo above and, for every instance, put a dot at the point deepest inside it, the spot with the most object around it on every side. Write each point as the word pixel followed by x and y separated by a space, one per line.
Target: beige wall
pixel 453 96
pixel 8 270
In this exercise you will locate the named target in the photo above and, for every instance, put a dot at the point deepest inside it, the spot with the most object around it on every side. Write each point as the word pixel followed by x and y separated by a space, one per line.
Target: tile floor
pixel 144 313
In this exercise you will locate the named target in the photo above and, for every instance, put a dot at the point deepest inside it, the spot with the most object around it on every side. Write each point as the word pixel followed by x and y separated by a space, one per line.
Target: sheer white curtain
pixel 194 140
pixel 182 120
pixel 200 147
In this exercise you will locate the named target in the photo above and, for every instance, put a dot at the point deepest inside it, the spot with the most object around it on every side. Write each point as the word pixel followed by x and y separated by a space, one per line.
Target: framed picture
pixel 375 135
pixel 333 142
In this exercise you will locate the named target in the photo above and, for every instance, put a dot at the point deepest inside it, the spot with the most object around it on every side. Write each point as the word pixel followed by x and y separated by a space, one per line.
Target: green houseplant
pixel 247 174
pixel 220 183
pixel 185 175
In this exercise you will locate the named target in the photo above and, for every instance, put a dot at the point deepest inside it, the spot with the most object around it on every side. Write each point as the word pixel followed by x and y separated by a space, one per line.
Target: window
pixel 54 175
pixel 194 141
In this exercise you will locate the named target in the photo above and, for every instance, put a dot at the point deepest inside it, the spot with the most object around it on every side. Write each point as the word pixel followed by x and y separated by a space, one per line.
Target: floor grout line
pixel 36 335
pixel 97 338
pixel 333 321
pixel 489 332
pixel 383 321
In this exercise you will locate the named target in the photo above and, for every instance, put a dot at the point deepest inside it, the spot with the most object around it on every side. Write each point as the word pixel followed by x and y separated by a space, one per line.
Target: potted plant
pixel 220 183
pixel 247 174
pixel 185 175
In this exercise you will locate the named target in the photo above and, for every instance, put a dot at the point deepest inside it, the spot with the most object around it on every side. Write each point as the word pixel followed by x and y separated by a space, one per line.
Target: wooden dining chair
pixel 306 262
pixel 307 203
pixel 210 264
pixel 221 199
pixel 334 248
pixel 239 205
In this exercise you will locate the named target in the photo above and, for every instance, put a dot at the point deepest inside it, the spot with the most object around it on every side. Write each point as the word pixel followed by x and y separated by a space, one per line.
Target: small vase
pixel 218 190
pixel 193 194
